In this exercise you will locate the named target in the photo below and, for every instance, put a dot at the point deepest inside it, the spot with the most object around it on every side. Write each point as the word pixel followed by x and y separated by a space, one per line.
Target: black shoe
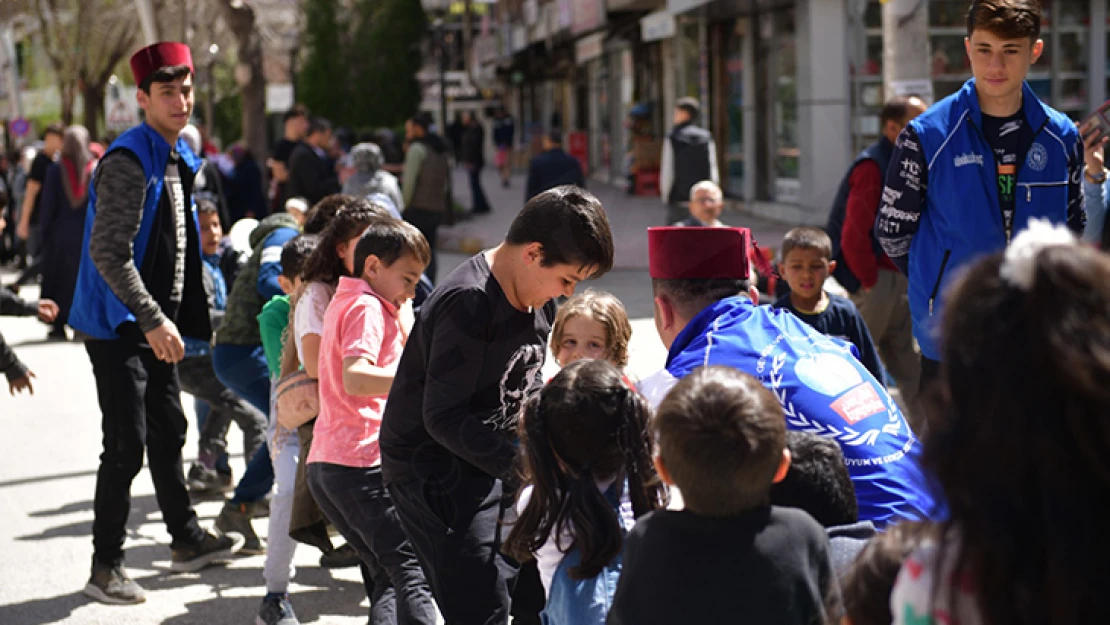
pixel 236 519
pixel 276 610
pixel 57 334
pixel 342 558
pixel 203 481
pixel 111 585
pixel 211 549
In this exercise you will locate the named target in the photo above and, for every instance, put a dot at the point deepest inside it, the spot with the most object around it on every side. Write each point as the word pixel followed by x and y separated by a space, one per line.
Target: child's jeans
pixel 285 448
pixel 357 504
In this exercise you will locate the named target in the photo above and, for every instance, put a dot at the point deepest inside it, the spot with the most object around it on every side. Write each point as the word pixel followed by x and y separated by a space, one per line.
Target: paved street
pixel 48 475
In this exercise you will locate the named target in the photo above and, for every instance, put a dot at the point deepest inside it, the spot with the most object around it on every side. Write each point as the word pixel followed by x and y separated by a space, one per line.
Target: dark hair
pixel 690 105
pixel 571 226
pixel 585 425
pixel 389 239
pixel 324 265
pixel 317 125
pixel 867 584
pixel 1006 19
pixel 1020 437
pixel 298 110
pixel 169 73
pixel 897 109
pixel 320 215
pixel 55 129
pixel 295 252
pixel 818 481
pixel 721 434
pixel 689 297
pixel 422 119
pixel 556 137
pixel 206 206
pixel 807 238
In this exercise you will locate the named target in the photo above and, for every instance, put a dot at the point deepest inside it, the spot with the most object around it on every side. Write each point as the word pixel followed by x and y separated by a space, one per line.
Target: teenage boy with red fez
pixel 139 291
pixel 706 314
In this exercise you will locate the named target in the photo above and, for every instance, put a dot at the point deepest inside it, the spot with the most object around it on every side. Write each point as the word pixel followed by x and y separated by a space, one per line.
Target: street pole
pixel 12 75
pixel 441 37
pixel 906 53
pixel 146 20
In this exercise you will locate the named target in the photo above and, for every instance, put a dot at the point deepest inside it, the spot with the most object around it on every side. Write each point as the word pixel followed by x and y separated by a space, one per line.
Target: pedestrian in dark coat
pixel 553 168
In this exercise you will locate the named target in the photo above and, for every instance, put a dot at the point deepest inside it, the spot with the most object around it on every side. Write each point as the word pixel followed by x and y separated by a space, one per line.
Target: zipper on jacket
pixel 1008 232
pixel 940 277
pixel 1029 187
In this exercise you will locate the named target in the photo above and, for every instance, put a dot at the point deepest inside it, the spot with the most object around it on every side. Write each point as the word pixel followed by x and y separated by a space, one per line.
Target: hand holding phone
pixel 1095 131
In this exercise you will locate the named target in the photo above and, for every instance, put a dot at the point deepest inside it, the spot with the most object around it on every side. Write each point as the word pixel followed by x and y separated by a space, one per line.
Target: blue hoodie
pixel 823 389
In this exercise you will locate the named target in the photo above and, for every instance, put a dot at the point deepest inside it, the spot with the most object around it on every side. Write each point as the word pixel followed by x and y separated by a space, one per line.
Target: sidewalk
pixel 629 218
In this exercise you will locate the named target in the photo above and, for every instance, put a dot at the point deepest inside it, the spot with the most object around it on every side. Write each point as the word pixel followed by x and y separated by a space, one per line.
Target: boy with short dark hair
pixel 722 443
pixel 971 172
pixel 362 342
pixel 819 483
pixel 806 264
pixel 475 355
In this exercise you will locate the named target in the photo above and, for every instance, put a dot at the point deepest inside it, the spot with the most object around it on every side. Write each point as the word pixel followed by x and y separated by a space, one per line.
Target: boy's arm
pixel 454 366
pixel 11 305
pixel 361 333
pixel 363 379
pixel 269 267
pixel 1094 203
pixel 271 325
pixel 120 194
pixel 868 355
pixel 10 364
pixel 1077 216
pixel 903 199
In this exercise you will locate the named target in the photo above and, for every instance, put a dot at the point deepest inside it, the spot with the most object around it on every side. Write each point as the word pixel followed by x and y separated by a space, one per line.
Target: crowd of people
pixel 765 472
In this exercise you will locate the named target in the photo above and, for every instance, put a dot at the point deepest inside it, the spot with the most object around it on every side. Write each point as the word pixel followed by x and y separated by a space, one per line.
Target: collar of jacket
pixel 1031 105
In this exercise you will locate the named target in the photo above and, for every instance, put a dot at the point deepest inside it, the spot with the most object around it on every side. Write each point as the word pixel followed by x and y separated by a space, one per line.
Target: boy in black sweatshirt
pixel 730 556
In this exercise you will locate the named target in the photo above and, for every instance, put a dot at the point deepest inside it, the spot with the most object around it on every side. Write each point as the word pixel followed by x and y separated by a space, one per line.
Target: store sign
pixel 589 48
pixel 678 7
pixel 588 15
pixel 120 108
pixel 457 87
pixel 658 25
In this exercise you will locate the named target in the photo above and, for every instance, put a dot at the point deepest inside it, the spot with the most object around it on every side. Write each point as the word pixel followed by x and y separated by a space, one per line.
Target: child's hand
pixel 17 385
pixel 48 311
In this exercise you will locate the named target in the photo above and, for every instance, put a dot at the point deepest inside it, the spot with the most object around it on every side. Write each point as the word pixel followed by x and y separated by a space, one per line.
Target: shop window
pixel 866 68
pixel 785 87
pixel 734 108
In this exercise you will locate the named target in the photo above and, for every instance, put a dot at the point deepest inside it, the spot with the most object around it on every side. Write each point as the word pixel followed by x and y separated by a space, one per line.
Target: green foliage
pixel 361 65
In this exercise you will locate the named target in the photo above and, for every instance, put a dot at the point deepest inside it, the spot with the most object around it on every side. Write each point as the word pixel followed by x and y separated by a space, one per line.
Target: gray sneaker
pixel 213 548
pixel 276 610
pixel 111 585
pixel 236 519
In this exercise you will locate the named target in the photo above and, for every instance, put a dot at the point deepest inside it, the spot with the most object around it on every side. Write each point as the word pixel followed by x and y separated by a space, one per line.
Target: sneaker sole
pixel 94 592
pixel 208 559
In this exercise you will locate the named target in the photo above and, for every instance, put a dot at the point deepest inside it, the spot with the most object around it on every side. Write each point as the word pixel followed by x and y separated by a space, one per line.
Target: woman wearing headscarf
pixel 62 223
pixel 370 177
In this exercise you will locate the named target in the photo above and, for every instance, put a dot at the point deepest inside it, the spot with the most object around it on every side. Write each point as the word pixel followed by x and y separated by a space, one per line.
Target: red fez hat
pixel 153 58
pixel 677 253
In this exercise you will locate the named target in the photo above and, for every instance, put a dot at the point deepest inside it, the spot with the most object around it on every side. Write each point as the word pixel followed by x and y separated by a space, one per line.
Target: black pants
pixel 198 378
pixel 140 402
pixel 457 531
pixel 357 504
pixel 478 203
pixel 427 222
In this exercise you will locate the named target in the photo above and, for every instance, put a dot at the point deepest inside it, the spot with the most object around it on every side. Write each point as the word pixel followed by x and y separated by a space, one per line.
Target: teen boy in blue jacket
pixel 970 173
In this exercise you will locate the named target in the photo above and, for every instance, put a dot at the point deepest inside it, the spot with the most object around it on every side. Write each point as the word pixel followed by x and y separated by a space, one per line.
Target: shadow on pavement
pixel 49 610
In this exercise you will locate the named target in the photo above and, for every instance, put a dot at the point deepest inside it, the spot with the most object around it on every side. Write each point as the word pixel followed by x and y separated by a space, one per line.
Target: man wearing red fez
pixel 706 314
pixel 139 290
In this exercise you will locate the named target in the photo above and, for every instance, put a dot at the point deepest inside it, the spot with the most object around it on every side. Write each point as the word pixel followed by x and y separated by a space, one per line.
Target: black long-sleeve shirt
pixel 470 363
pixel 12 306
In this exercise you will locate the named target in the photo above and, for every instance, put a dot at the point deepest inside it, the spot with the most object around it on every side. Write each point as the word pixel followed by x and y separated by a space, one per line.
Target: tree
pixel 85 41
pixel 361 67
pixel 240 19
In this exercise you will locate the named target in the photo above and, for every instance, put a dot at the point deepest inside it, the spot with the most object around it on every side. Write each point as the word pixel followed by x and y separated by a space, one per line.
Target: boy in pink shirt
pixel 362 342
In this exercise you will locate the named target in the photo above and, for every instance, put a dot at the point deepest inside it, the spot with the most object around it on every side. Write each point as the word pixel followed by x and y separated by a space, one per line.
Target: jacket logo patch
pixel 968 159
pixel 1038 157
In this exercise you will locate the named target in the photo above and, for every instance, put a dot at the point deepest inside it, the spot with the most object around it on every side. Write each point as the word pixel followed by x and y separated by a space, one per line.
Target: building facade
pixel 791 89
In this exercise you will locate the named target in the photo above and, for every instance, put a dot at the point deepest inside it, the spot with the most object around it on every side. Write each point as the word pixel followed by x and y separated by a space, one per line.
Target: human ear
pixel 661 469
pixel 832 266
pixel 533 252
pixel 664 312
pixel 1038 50
pixel 784 467
pixel 754 294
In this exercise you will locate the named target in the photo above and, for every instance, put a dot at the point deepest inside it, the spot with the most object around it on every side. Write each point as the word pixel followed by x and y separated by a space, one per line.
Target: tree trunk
pixel 68 93
pixel 249 76
pixel 93 97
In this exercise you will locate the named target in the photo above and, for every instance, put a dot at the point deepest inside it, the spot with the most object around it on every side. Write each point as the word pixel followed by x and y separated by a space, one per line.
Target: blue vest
pixel 878 153
pixel 962 219
pixel 824 390
pixel 97 311
pixel 584 601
